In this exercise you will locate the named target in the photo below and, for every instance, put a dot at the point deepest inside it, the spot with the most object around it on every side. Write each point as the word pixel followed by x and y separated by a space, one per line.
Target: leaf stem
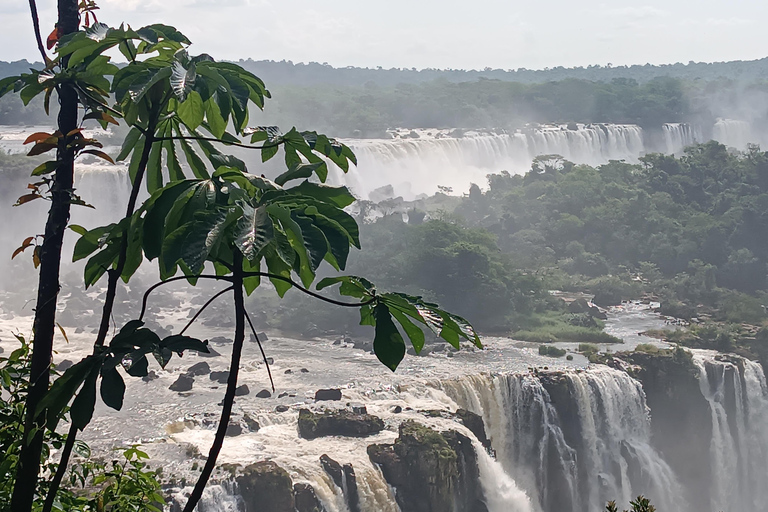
pixel 263 355
pixel 222 292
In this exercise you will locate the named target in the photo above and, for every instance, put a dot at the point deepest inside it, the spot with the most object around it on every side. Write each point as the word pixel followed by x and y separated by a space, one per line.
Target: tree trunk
pixel 48 285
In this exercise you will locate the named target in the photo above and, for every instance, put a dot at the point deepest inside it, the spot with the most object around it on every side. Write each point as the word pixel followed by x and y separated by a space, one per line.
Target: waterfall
pixel 733 133
pixel 677 136
pixel 574 452
pixel 737 394
pixel 417 166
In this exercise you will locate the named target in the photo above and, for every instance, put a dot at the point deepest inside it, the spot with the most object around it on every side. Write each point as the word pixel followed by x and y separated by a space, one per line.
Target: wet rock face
pixel 306 499
pixel 474 422
pixel 201 368
pixel 345 479
pixel 681 425
pixel 266 487
pixel 431 471
pixel 338 423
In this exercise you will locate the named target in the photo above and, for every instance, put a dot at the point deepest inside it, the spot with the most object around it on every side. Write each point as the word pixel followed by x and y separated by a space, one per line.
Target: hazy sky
pixel 440 34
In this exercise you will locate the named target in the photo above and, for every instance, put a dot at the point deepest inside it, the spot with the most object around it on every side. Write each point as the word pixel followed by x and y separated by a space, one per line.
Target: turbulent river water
pixel 566 436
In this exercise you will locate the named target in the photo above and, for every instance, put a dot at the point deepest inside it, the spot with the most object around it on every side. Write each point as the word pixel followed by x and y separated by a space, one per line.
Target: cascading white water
pixel 738 399
pixel 733 133
pixel 416 166
pixel 611 459
pixel 677 136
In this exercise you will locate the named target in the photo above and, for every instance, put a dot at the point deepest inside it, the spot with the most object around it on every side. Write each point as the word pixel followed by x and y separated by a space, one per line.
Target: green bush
pixel 549 350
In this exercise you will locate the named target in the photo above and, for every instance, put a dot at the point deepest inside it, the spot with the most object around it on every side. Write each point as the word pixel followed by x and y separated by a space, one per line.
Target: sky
pixel 435 34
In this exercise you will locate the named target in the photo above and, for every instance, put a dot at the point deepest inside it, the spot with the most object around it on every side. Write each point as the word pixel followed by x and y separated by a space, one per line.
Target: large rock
pixel 183 383
pixel 201 368
pixel 266 487
pixel 431 471
pixel 327 394
pixel 306 499
pixel 220 377
pixel 341 422
pixel 474 422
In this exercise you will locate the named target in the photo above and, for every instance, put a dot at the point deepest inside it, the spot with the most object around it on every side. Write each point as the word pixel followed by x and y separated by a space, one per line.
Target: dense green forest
pixel 341 101
pixel 686 230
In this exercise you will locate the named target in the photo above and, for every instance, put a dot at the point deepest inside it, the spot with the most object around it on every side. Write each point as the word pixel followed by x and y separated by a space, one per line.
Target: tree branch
pixel 172 279
pixel 36 24
pixel 310 292
pixel 222 292
pixel 229 396
pixel 263 355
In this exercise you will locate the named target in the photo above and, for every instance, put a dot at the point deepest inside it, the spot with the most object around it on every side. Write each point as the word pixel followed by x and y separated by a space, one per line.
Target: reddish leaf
pixel 36 255
pixel 99 154
pixel 27 198
pixel 37 137
pixel 41 148
pixel 53 38
pixel 24 245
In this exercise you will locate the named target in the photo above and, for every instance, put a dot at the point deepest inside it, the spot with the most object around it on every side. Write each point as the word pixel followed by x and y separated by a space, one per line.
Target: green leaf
pixel 358 287
pixel 194 161
pixel 162 202
pixel 178 343
pixel 82 408
pixel 192 111
pixel 136 364
pixel 254 231
pixel 90 241
pixel 388 344
pixel 112 388
pixel 63 389
pixel 133 167
pixel 146 80
pixel 192 242
pixel 45 168
pixel 216 122
pixel 339 196
pixel 182 80
pixel 100 263
pixel 154 168
pixel 414 332
pixel 174 167
pixel 296 172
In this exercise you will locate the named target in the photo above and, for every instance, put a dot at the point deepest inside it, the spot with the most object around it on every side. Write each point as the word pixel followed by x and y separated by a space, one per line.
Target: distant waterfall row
pixel 420 165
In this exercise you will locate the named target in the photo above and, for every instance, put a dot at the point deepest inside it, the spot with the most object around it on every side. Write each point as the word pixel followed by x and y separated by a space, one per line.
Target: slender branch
pixel 263 355
pixel 225 142
pixel 36 24
pixel 222 292
pixel 310 292
pixel 177 278
pixel 229 396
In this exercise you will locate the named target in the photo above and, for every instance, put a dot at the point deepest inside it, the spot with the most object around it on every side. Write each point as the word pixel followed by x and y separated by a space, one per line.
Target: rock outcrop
pixel 431 471
pixel 306 499
pixel 266 487
pixel 342 422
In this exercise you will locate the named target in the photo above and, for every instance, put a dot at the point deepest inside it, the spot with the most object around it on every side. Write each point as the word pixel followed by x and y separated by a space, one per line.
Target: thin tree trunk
pixel 229 396
pixel 48 285
pixel 109 302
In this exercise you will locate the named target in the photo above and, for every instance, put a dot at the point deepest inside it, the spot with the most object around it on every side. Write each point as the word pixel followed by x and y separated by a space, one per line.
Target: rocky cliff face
pixel 431 471
pixel 681 421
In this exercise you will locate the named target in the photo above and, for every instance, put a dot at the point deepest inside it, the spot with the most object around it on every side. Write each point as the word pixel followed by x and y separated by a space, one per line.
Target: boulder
pixel 220 377
pixel 242 390
pixel 282 408
pixel 327 394
pixel 341 422
pixel 183 383
pixel 306 499
pixel 150 376
pixel 211 352
pixel 251 423
pixel 234 429
pixel 200 368
pixel 264 393
pixel 266 487
pixel 64 365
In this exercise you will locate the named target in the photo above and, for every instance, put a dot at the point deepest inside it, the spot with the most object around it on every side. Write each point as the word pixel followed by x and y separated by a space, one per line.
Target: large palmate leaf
pixel 254 231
